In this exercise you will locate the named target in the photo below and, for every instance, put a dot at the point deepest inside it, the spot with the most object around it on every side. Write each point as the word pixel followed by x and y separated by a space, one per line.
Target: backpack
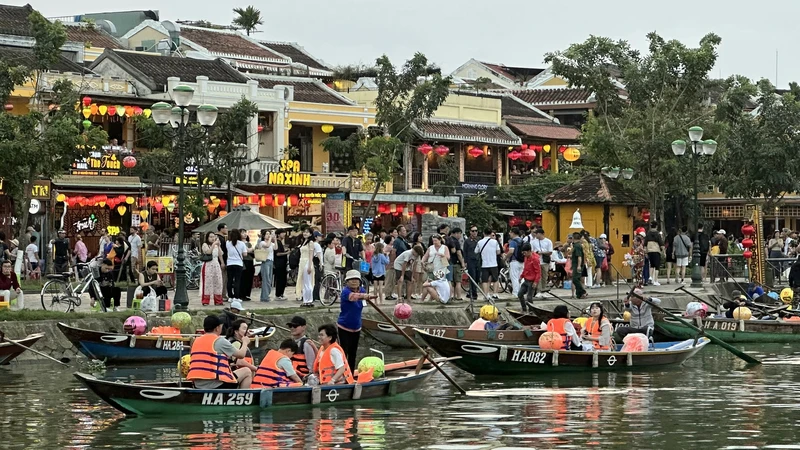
pixel 518 256
pixel 294 258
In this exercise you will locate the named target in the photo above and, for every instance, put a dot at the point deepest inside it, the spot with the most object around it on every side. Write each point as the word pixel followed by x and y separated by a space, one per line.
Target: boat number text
pixel 435 332
pixel 172 345
pixel 237 399
pixel 729 326
pixel 528 357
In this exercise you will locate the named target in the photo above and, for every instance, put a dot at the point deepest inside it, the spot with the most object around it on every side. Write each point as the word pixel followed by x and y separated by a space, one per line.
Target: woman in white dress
pixel 211 274
pixel 304 288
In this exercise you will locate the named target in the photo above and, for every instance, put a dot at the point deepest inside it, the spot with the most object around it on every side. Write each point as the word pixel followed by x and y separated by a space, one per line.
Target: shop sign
pixel 288 174
pixel 190 176
pixel 466 187
pixel 35 207
pixel 40 189
pixel 85 224
pixel 334 213
pixel 113 230
pixel 97 163
pixel 313 198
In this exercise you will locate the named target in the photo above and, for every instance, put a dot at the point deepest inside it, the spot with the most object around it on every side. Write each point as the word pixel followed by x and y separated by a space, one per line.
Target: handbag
pixel 205 257
pixel 260 254
pixel 604 265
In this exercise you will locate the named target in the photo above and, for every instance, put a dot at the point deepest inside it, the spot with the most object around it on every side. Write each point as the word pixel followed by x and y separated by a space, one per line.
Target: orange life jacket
pixel 207 364
pixel 268 375
pixel 299 359
pixel 557 325
pixel 324 368
pixel 593 330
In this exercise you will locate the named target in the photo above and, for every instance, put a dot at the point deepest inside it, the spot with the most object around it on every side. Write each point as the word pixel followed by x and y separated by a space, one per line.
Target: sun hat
pixel 603 236
pixel 236 304
pixel 352 275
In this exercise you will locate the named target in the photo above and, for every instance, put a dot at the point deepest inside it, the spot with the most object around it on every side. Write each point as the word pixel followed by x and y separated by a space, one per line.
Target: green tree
pixel 248 18
pixel 764 149
pixel 413 92
pixel 666 90
pixel 48 139
pixel 532 192
pixel 481 214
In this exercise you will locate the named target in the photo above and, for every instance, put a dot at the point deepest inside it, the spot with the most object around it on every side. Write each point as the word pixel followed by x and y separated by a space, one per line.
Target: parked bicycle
pixel 502 278
pixel 194 267
pixel 61 293
pixel 332 284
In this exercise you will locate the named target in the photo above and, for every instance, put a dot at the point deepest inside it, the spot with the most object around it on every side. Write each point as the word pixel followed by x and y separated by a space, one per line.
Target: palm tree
pixel 249 18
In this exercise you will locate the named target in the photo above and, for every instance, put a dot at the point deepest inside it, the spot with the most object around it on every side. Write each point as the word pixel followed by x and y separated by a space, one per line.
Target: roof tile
pixel 460 132
pixel 14 20
pixel 24 56
pixel 558 96
pixel 305 91
pixel 542 129
pixel 595 188
pixel 296 54
pixel 93 36
pixel 229 43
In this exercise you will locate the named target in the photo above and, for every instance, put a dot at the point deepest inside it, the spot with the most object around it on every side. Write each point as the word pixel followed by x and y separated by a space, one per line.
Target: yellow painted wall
pixel 320 155
pixel 455 107
pixel 146 34
pixel 555 81
pixel 20 105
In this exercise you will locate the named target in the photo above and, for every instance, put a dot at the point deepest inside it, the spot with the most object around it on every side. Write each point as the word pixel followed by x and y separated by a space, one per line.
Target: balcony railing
pixel 435 176
pixel 416 178
pixel 480 177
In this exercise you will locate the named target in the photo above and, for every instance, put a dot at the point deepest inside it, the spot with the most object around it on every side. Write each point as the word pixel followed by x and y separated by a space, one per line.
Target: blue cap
pixel 317 234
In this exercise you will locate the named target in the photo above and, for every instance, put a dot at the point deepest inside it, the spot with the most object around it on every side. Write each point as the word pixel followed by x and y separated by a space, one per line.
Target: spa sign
pixel 288 174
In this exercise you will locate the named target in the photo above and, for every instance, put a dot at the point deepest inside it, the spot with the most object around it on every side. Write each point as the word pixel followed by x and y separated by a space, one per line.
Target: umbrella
pixel 244 218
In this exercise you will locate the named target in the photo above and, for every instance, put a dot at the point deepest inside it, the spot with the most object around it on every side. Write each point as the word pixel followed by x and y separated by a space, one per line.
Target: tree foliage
pixel 644 102
pixel 481 214
pixel 532 192
pixel 248 18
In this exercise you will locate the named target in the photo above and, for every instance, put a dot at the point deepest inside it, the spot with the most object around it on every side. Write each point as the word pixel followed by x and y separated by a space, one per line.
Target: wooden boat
pixel 732 330
pixel 9 351
pixel 180 398
pixel 483 358
pixel 385 333
pixel 120 348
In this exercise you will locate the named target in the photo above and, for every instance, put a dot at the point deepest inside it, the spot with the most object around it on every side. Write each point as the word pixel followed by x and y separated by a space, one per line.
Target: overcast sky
pixel 510 32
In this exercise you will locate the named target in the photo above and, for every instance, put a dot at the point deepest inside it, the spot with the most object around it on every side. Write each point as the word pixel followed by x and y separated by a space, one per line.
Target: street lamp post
pixel 699 148
pixel 180 132
pixel 614 172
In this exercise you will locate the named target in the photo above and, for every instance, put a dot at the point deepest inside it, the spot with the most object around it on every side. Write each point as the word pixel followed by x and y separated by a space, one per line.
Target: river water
pixel 712 402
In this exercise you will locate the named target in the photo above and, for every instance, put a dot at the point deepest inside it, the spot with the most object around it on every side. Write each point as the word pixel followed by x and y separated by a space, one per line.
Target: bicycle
pixel 193 269
pixel 60 290
pixel 502 279
pixel 332 284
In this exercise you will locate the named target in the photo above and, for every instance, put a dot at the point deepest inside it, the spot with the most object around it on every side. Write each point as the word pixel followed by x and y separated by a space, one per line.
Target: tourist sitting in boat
pixel 731 305
pixel 597 328
pixel 303 359
pixel 149 280
pixel 235 333
pixel 331 366
pixel 562 324
pixel 488 319
pixel 438 288
pixel 276 369
pixel 209 368
pixel 754 291
pixel 9 285
pixel 641 314
pixel 229 315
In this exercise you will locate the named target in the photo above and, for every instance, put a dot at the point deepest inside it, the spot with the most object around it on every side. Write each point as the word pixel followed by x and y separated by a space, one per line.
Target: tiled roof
pixel 514 73
pixel 24 56
pixel 461 132
pixel 225 42
pixel 542 129
pixel 14 20
pixel 159 68
pixel 310 91
pixel 95 37
pixel 558 96
pixel 595 188
pixel 296 54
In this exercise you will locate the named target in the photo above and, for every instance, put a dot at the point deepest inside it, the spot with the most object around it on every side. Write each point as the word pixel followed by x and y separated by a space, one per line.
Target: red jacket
pixel 531 270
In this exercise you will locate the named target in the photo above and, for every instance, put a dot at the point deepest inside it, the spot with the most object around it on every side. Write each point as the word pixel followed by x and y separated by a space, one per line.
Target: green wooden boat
pixel 733 331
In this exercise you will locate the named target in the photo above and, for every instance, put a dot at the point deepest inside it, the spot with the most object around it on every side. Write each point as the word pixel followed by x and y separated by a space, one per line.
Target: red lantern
pixel 748 230
pixel 112 110
pixel 747 254
pixel 8 107
pixel 562 148
pixel 158 206
pixel 475 152
pixel 260 128
pixel 294 200
pixel 223 203
pixel 546 163
pixel 441 150
pixel 400 208
pixel 528 155
pixel 646 215
pixel 425 149
pixel 515 155
pixel 523 147
pixel 747 243
pixel 281 199
pixel 528 223
pixel 129 162
pixel 87 101
pixel 137 111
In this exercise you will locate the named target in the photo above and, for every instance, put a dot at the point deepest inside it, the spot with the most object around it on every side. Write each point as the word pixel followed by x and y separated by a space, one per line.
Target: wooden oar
pixel 63 361
pixel 580 310
pixel 414 343
pixel 742 355
pixel 507 317
pixel 683 289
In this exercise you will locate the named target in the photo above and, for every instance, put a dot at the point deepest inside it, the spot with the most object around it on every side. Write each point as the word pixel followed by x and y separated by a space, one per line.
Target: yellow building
pixel 605 207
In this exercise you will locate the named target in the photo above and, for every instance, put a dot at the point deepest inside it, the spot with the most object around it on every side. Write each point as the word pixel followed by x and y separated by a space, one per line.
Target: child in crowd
pixel 379 262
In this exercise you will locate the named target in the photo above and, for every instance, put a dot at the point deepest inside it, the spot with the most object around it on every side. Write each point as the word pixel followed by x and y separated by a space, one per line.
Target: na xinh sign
pixel 288 174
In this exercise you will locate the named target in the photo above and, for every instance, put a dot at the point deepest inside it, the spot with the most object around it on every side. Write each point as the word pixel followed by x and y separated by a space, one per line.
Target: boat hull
pixel 385 333
pixel 170 399
pixel 9 351
pixel 734 331
pixel 117 348
pixel 481 358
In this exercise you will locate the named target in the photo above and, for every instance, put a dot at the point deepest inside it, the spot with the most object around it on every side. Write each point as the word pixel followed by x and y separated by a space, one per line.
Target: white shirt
pixel 442 288
pixel 318 250
pixel 542 245
pixel 488 248
pixel 31 251
pixel 337 358
pixel 234 256
pixel 270 247
pixel 136 245
pixel 405 257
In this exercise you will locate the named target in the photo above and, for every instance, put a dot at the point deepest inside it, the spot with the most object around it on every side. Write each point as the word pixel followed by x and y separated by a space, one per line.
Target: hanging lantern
pixel 441 150
pixel 280 199
pixel 528 155
pixel 147 112
pixel 102 109
pixel 546 163
pixel 158 206
pixel 60 197
pixel 120 110
pixel 8 107
pixel 393 207
pixel 137 111
pixel 327 128
pixel 572 154
pixel 475 152
pixel 223 203
pixel 112 110
pixel 93 109
pixel 87 101
pixel 523 147
pixel 747 243
pixel 400 208
pixel 748 229
pixel 122 210
pixel 211 208
pixel 747 254
pixel 143 214
pixel 87 112
pixel 515 155
pixel 646 215
pixel 425 149
pixel 260 128
pixel 223 213
pixel 546 148
pixel 171 207
pixel 129 200
pixel 129 162
pixel 562 149
pixel 129 111
pixel 294 200
pixel 87 124
pixel 144 226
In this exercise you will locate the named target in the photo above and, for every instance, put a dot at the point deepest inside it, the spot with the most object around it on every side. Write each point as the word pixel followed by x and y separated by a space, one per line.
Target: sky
pixel 515 33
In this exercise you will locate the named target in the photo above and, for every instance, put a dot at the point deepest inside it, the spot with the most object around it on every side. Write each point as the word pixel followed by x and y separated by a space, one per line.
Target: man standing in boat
pixel 641 314
pixel 209 368
pixel 303 359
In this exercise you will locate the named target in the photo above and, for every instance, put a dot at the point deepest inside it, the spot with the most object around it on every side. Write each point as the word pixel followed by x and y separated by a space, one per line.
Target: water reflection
pixel 711 402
